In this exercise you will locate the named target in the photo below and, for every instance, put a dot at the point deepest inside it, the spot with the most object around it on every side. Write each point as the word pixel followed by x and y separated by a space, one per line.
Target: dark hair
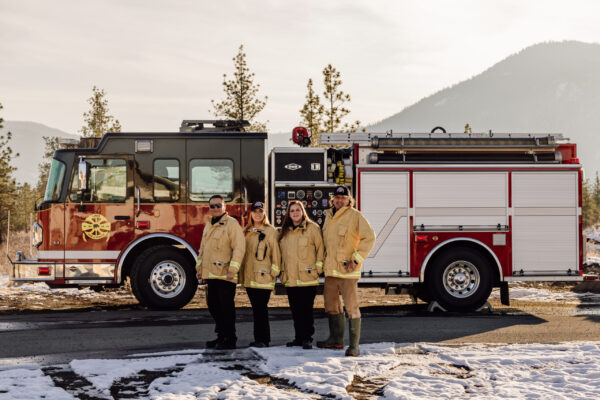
pixel 287 221
pixel 216 196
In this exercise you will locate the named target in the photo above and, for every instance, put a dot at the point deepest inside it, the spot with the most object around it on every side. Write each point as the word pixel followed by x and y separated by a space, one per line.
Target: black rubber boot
pixel 335 340
pixel 354 326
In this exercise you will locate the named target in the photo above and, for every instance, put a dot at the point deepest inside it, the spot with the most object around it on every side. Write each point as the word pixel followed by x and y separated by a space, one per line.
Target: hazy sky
pixel 163 61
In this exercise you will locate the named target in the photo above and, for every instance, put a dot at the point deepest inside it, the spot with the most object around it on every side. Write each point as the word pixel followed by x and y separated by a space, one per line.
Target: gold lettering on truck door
pixel 96 227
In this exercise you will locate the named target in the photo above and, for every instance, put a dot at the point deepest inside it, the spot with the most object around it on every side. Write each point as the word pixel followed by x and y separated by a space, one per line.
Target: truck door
pixel 158 178
pixel 98 220
pixel 213 167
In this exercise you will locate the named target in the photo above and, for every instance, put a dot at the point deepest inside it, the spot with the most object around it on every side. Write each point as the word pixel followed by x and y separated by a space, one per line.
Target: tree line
pixel 241 102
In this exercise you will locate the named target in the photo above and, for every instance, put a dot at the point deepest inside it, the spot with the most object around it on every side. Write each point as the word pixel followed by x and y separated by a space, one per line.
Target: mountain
pixel 549 87
pixel 27 141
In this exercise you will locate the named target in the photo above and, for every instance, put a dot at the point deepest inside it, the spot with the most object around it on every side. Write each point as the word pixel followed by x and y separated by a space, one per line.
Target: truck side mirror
pixel 83 173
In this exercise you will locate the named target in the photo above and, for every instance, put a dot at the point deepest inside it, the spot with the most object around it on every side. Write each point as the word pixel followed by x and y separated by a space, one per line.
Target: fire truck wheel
pixel 163 278
pixel 460 280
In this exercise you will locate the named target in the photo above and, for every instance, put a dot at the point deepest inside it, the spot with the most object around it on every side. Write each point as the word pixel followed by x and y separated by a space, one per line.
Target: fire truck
pixel 455 214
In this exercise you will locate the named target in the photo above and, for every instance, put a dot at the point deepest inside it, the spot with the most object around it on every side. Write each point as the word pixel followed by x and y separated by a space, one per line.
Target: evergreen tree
pixel 19 216
pixel 7 182
pixel 335 100
pixel 312 113
pixel 97 120
pixel 241 95
pixel 589 208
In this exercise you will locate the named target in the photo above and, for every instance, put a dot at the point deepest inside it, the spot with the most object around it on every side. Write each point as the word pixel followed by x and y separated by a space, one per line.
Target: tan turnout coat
pixel 221 250
pixel 263 258
pixel 302 255
pixel 348 237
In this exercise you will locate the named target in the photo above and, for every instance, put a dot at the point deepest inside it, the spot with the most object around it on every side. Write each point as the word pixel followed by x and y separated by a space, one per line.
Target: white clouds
pixel 159 60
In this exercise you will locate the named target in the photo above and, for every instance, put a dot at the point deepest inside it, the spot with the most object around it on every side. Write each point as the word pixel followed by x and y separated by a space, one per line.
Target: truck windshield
pixel 55 181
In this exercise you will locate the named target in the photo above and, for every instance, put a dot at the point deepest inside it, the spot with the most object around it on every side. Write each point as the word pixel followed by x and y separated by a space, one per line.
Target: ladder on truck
pixel 489 147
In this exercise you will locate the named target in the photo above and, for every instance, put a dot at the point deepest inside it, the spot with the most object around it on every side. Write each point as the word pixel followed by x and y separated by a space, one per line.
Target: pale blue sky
pixel 163 61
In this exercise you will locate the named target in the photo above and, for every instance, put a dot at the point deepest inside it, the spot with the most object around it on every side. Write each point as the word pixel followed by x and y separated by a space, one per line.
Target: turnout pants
pixel 259 298
pixel 220 296
pixel 348 288
pixel 302 300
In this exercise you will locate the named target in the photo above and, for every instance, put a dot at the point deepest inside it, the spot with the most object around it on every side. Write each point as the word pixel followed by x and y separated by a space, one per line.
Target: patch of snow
pixel 543 295
pixel 210 381
pixel 327 371
pixel 441 102
pixel 29 383
pixel 103 372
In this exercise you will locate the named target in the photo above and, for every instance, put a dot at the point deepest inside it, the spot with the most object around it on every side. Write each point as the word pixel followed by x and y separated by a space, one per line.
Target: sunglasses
pixel 218 205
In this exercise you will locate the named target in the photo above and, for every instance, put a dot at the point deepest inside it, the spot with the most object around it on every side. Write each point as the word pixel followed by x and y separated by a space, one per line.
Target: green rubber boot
pixel 335 340
pixel 354 325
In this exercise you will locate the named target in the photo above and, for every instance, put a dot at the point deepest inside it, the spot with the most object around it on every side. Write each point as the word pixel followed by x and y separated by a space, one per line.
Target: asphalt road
pixel 50 337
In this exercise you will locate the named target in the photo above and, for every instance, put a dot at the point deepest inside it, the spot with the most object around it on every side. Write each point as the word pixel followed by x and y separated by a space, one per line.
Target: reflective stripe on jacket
pixel 302 255
pixel 221 250
pixel 348 239
pixel 263 258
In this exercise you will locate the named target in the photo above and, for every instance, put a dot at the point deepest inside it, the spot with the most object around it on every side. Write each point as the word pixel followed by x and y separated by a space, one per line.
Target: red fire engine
pixel 455 214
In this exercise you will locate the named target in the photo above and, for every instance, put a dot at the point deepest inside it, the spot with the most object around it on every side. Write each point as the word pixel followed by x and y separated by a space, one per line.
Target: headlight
pixel 38 235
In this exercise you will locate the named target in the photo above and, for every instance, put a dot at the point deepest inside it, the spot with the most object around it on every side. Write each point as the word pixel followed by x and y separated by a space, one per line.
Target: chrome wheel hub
pixel 461 279
pixel 167 279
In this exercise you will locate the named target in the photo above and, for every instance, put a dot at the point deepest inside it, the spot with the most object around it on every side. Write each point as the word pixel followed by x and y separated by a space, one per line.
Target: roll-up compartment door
pixel 545 223
pixel 384 203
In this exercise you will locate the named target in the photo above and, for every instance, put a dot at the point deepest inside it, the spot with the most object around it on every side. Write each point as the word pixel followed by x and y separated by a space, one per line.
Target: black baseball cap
pixel 341 191
pixel 257 205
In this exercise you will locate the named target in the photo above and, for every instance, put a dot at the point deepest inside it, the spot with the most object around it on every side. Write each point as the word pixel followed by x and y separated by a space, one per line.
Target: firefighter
pixel 302 262
pixel 219 259
pixel 260 270
pixel 348 239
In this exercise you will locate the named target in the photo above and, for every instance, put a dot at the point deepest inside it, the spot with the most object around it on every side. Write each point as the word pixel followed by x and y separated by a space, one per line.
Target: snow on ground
pixel 38 289
pixel 393 371
pixel 544 295
pixel 28 382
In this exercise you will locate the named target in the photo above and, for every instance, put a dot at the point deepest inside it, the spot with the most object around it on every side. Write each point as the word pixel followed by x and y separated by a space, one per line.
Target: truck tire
pixel 163 278
pixel 460 280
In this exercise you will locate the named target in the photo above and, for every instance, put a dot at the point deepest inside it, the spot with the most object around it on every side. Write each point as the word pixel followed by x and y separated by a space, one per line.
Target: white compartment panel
pixel 545 244
pixel 384 202
pixel 544 189
pixel 460 189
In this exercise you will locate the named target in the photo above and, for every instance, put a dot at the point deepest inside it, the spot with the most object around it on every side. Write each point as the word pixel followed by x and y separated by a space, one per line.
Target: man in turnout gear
pixel 221 253
pixel 348 239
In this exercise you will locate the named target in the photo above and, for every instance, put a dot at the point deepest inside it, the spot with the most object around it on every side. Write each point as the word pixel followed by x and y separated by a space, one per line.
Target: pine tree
pixel 7 182
pixel 241 95
pixel 335 100
pixel 312 113
pixel 97 120
pixel 594 190
pixel 589 207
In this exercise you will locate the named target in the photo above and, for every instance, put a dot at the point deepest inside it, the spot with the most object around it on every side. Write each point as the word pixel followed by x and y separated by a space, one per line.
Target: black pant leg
pixel 308 322
pixel 213 304
pixel 227 308
pixel 259 298
pixel 295 308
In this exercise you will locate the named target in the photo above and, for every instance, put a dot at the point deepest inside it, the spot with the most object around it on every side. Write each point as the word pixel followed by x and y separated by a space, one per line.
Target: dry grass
pixel 18 241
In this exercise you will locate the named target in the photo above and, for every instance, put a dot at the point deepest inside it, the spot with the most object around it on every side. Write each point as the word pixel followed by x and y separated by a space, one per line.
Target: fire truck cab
pixel 134 205
pixel 455 214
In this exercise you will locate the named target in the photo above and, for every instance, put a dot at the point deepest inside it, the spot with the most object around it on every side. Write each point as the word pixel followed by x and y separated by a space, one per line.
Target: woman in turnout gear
pixel 219 259
pixel 348 239
pixel 301 246
pixel 260 270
